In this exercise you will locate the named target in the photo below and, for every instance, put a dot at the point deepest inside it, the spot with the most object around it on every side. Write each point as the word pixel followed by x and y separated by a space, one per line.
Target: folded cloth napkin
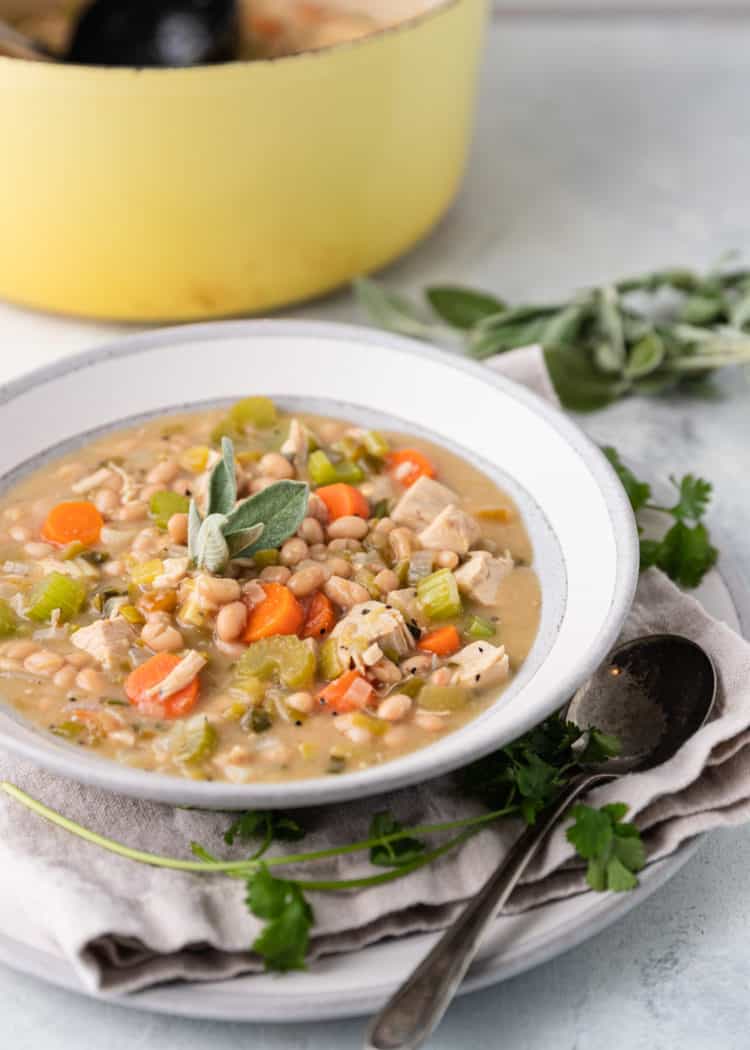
pixel 125 926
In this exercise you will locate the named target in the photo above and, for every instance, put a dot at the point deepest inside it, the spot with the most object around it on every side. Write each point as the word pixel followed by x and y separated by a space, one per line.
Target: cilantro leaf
pixel 392 854
pixel 284 940
pixel 270 825
pixel 685 553
pixel 695 495
pixel 638 492
pixel 613 848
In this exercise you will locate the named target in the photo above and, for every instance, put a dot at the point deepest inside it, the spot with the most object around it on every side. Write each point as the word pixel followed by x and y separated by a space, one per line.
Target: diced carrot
pixel 443 641
pixel 407 465
pixel 278 613
pixel 343 500
pixel 320 618
pixel 73 521
pixel 150 674
pixel 349 692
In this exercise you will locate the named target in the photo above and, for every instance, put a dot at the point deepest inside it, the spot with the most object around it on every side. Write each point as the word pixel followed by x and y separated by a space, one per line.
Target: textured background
pixel 604 146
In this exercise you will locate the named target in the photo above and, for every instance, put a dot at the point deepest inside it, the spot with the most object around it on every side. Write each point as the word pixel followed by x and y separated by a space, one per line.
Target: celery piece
pixel 284 658
pixel 375 444
pixel 251 686
pixel 438 595
pixel 443 697
pixel 320 469
pixel 349 448
pixel 259 412
pixel 56 591
pixel 195 458
pixel 411 686
pixel 225 428
pixel 131 614
pixel 193 740
pixel 479 629
pixel 8 620
pixel 376 726
pixel 144 574
pixel 69 730
pixel 164 504
pixel 73 550
pixel 323 472
pixel 329 664
pixel 421 565
pixel 365 578
pixel 265 558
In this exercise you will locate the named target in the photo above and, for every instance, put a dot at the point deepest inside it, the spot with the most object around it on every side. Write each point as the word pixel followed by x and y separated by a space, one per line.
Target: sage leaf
pixel 562 329
pixel 577 382
pixel 392 311
pixel 194 524
pixel 610 325
pixel 213 550
pixel 222 485
pixel 280 508
pixel 239 541
pixel 703 310
pixel 740 313
pixel 645 357
pixel 462 307
pixel 607 359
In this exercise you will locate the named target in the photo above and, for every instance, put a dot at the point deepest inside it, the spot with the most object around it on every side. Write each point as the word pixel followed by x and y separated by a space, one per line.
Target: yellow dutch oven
pixel 193 193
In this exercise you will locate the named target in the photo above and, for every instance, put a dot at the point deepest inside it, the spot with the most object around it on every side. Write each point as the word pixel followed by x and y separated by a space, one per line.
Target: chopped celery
pixel 8 620
pixel 235 711
pixel 257 412
pixel 502 515
pixel 323 472
pixel 443 697
pixel 438 595
pixel 145 573
pixel 381 508
pixel 56 591
pixel 265 558
pixel 164 504
pixel 329 664
pixel 194 740
pixel 366 579
pixel 411 686
pixel 375 444
pixel 421 565
pixel 307 750
pixel 248 457
pixel 69 730
pixel 190 611
pixel 73 550
pixel 375 726
pixel 349 448
pixel 284 658
pixel 479 629
pixel 131 614
pixel 225 428
pixel 195 458
pixel 402 571
pixel 251 686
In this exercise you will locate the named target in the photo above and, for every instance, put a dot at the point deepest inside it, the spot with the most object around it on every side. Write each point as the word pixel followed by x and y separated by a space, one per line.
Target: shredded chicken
pixel 452 530
pixel 296 445
pixel 108 641
pixel 422 502
pixel 185 671
pixel 92 481
pixel 480 665
pixel 481 575
pixel 175 570
pixel 366 625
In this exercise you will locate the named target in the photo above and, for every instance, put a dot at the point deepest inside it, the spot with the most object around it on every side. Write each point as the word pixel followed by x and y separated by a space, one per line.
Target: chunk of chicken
pixel 480 577
pixel 297 443
pixel 479 665
pixel 406 602
pixel 422 502
pixel 365 626
pixel 181 675
pixel 107 641
pixel 452 530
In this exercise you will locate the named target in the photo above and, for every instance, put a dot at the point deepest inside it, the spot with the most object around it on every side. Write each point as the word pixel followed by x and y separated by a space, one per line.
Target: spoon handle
pixel 417 1007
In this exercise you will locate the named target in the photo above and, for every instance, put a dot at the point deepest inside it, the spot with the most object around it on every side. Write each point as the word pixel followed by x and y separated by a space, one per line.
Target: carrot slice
pixel 408 465
pixel 320 618
pixel 443 641
pixel 71 522
pixel 349 692
pixel 342 500
pixel 151 673
pixel 278 613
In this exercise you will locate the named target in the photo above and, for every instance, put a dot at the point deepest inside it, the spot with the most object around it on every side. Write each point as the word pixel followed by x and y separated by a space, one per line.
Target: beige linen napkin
pixel 125 926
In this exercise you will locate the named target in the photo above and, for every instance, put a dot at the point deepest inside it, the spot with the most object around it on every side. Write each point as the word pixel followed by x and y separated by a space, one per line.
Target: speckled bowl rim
pixel 415 767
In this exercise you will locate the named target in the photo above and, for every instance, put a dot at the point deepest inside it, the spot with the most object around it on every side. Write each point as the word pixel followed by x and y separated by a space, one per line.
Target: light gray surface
pixel 603 148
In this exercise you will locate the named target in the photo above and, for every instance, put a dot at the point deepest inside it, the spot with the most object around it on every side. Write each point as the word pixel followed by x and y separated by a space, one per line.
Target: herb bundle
pixel 518 781
pixel 643 335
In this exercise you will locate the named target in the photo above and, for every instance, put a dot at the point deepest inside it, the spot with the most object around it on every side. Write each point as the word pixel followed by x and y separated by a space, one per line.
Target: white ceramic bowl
pixel 581 525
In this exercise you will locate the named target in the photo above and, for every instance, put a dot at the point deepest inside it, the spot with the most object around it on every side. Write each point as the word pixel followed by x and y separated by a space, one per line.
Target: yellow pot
pixel 195 193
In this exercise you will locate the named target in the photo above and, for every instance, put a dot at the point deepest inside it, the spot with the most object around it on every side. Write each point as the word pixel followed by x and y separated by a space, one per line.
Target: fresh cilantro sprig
pixel 270 825
pixel 613 849
pixel 283 942
pixel 685 552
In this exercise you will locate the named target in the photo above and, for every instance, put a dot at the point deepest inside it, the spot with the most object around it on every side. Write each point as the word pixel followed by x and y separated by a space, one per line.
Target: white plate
pixel 358 983
pixel 575 509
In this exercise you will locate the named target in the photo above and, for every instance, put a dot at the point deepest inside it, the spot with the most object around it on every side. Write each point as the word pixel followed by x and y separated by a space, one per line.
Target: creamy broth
pixel 87 623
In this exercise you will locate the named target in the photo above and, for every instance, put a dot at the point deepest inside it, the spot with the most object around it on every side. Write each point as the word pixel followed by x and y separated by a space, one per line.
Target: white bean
pixel 311 531
pixel 347 527
pixel 293 551
pixel 161 636
pixel 92 681
pixel 231 621
pixel 276 466
pixel 214 591
pixel 177 528
pixel 302 702
pixel 43 662
pixel 345 593
pixel 19 533
pixel 308 579
pixel 394 707
pixel 163 472
pixel 447 560
pixel 275 574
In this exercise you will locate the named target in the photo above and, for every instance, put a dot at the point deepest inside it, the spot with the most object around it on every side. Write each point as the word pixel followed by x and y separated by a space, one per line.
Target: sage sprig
pixel 237 530
pixel 643 335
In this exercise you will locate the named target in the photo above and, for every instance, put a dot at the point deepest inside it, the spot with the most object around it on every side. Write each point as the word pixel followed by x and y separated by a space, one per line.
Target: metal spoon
pixel 653 693
pixel 140 33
